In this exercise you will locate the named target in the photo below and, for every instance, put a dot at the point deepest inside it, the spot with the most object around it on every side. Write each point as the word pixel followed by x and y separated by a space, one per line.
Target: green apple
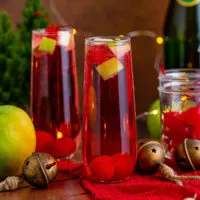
pixel 153 120
pixel 17 140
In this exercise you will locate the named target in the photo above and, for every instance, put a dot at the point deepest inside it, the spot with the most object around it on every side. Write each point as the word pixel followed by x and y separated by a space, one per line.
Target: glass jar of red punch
pixel 180 106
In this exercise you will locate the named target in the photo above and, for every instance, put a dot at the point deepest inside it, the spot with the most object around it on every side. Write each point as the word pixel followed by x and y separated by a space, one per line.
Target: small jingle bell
pixel 187 155
pixel 40 169
pixel 150 155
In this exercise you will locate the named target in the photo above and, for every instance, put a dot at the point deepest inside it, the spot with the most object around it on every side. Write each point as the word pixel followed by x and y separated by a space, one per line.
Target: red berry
pixel 63 147
pixel 51 32
pixel 52 29
pixel 102 167
pixel 43 139
pixel 191 116
pixel 175 126
pixel 168 118
pixel 124 164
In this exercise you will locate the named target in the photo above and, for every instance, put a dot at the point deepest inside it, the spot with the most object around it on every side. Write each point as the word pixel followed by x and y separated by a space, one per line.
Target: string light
pixel 59 135
pixel 159 40
pixel 155 112
pixel 74 31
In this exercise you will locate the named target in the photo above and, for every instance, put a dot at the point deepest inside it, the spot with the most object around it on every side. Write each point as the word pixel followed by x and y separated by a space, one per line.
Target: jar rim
pixel 166 91
pixel 179 74
pixel 180 81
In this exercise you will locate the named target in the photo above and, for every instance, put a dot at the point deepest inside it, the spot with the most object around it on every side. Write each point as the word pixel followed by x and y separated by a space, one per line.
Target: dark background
pixel 112 17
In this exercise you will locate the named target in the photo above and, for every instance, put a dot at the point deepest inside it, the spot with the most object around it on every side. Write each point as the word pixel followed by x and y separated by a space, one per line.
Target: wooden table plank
pixel 58 190
pixel 81 197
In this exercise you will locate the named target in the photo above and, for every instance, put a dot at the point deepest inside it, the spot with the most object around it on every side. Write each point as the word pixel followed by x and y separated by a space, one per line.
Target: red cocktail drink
pixel 180 106
pixel 54 92
pixel 109 128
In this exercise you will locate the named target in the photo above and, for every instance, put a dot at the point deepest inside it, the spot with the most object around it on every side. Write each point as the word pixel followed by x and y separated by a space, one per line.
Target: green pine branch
pixel 15 54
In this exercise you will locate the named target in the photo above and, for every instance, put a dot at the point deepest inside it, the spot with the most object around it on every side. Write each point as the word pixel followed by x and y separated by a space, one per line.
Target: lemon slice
pixel 47 45
pixel 109 68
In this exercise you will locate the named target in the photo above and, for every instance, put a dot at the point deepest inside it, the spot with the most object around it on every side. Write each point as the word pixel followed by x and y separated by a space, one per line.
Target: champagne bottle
pixel 182 35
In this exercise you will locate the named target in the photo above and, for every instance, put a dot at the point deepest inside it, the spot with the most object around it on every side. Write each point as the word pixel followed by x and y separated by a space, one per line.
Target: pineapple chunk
pixel 109 68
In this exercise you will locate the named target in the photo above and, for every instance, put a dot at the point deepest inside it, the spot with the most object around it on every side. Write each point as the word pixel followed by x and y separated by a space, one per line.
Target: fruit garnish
pixel 175 126
pixel 47 45
pixel 102 167
pixel 54 29
pixel 162 69
pixel 97 54
pixel 191 116
pixel 51 33
pixel 109 68
pixel 62 147
pixel 124 164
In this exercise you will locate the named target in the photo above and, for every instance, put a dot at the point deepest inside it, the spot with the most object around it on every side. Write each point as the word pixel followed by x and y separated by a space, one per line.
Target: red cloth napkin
pixel 141 187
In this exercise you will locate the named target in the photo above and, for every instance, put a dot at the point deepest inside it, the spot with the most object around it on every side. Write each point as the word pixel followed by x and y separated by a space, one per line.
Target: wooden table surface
pixel 61 189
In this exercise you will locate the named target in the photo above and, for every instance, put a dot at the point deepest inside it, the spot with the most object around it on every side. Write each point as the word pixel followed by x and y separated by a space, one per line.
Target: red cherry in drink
pixel 191 116
pixel 63 147
pixel 124 165
pixel 51 32
pixel 102 167
pixel 175 127
pixel 52 29
pixel 168 118
pixel 43 139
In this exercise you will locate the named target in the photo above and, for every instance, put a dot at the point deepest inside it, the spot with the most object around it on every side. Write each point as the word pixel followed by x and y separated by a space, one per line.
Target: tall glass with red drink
pixel 54 92
pixel 109 123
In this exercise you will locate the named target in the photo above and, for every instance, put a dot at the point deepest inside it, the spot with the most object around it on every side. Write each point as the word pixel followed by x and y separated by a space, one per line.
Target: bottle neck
pixel 187 3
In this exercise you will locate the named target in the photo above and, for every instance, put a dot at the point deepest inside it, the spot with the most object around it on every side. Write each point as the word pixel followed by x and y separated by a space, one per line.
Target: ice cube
pixel 64 38
pixel 109 68
pixel 119 50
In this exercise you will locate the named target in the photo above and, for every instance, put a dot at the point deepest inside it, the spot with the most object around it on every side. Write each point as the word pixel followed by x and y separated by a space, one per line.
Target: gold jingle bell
pixel 150 155
pixel 187 155
pixel 40 169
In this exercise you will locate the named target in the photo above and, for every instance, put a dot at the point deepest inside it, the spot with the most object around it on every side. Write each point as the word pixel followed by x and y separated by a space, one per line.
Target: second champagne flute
pixel 54 92
pixel 109 128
